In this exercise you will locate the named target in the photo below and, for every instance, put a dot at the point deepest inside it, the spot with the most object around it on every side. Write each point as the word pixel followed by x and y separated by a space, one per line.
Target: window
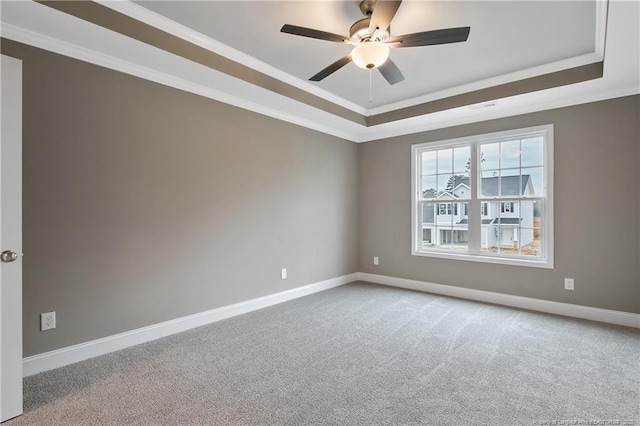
pixel 506 207
pixel 447 208
pixel 503 183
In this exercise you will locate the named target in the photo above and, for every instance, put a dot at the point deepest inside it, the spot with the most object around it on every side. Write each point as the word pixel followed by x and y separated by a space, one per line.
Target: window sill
pixel 537 263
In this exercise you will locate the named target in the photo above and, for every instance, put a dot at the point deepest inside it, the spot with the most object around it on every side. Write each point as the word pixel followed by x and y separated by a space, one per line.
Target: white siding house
pixel 505 223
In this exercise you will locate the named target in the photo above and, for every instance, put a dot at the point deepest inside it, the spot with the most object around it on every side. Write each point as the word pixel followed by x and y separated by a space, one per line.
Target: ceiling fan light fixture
pixel 370 54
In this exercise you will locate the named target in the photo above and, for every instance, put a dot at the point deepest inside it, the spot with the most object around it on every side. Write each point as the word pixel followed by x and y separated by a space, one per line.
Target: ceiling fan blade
pixel 383 13
pixel 331 68
pixel 391 72
pixel 311 33
pixel 428 38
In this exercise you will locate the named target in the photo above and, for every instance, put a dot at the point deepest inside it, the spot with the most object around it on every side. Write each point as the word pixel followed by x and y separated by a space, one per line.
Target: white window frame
pixel 474 253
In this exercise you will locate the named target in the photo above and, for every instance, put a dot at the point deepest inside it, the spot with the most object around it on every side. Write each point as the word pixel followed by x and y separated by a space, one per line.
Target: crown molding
pixel 502 108
pixel 142 14
pixel 596 56
pixel 602 9
pixel 552 67
pixel 84 41
pixel 45 42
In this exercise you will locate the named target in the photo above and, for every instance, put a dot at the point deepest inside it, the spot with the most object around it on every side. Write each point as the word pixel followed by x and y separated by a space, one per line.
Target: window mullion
pixel 474 218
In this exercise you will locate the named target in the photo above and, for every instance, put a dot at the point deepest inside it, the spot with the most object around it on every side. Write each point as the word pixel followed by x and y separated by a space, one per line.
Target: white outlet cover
pixel 376 260
pixel 568 284
pixel 283 273
pixel 47 321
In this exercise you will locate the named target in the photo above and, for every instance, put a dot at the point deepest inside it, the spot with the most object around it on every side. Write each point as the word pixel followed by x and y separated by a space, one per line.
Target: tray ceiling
pixel 505 37
pixel 521 56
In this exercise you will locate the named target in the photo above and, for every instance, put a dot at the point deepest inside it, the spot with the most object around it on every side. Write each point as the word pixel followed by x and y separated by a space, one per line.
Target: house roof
pixel 511 185
pixel 506 221
pixel 484 221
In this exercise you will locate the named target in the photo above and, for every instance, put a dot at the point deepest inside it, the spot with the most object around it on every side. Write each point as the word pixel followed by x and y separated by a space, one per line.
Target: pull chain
pixel 370 90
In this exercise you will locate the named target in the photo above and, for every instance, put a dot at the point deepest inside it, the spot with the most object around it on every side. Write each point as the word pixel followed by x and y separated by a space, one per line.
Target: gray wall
pixel 143 203
pixel 596 209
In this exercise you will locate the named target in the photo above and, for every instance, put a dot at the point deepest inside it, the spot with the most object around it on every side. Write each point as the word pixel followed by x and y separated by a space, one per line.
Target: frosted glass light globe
pixel 370 54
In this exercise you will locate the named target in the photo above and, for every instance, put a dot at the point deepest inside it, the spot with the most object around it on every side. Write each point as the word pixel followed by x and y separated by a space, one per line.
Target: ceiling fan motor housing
pixel 359 32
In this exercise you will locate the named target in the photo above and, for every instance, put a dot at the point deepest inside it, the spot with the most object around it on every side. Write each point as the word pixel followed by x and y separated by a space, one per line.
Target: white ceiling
pixel 553 30
pixel 505 37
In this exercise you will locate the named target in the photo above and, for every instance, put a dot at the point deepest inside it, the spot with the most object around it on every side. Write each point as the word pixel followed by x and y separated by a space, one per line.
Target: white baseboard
pixel 567 309
pixel 71 354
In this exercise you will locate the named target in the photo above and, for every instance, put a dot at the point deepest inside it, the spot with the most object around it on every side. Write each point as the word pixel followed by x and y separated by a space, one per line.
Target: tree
pixel 468 166
pixel 429 193
pixel 454 181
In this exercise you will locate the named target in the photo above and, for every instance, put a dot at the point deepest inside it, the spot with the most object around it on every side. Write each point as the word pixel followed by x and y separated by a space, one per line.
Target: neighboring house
pixel 445 221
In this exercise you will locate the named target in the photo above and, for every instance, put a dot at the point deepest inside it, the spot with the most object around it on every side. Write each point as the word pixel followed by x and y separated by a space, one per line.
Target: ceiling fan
pixel 371 38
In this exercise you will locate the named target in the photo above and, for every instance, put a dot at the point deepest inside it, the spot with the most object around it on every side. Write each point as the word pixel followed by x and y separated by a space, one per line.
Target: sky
pixel 506 158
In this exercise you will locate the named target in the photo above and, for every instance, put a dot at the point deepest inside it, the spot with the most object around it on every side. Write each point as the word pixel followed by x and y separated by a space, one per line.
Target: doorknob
pixel 8 256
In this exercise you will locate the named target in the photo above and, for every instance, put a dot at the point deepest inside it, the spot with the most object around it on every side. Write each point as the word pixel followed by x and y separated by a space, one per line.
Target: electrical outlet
pixel 376 260
pixel 283 273
pixel 568 283
pixel 47 321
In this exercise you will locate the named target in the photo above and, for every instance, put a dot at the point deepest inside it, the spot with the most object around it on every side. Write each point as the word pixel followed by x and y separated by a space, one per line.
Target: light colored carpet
pixel 360 354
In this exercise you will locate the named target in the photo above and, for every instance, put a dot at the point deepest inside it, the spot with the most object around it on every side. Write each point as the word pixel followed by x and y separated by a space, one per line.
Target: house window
pixel 503 182
pixel 426 236
pixel 506 207
pixel 447 208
